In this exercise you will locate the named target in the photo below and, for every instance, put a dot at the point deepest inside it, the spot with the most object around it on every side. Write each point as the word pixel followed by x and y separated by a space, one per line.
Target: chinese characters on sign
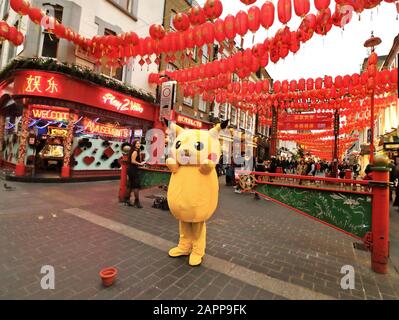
pixel 34 84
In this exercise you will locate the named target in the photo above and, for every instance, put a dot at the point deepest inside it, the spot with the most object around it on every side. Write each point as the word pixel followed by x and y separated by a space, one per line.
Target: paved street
pixel 257 250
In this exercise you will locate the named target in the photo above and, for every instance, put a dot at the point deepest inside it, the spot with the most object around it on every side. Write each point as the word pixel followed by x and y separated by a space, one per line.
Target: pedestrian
pixel 135 162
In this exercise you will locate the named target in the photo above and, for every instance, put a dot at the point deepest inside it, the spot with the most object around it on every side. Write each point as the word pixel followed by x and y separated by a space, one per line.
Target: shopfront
pixel 55 124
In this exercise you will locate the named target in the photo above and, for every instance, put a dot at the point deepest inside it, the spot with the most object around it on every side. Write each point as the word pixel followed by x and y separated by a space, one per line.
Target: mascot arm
pixel 207 167
pixel 172 165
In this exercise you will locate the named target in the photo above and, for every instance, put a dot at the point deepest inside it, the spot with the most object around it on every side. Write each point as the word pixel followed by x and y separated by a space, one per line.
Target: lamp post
pixel 372 43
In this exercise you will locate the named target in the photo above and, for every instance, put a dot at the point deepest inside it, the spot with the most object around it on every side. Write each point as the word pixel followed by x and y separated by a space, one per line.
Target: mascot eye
pixel 178 144
pixel 199 146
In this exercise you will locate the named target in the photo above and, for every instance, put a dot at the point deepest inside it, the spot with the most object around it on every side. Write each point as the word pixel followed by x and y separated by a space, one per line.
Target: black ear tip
pixel 224 124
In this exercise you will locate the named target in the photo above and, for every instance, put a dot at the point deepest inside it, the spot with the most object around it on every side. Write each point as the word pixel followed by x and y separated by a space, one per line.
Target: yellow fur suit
pixel 194 187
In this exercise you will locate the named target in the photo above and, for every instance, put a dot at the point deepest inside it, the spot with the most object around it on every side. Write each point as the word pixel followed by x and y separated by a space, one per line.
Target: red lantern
pixel 208 32
pixel 322 4
pixel 267 14
pixel 36 15
pixel 20 6
pixel 254 19
pixel 181 22
pixel 229 27
pixel 157 32
pixel 324 22
pixel 284 9
pixel 241 23
pixel 258 51
pixel 213 9
pixel 309 23
pixel 369 4
pixel 196 16
pixel 19 39
pixel 248 2
pixel 302 7
pixel 219 30
pixel 373 59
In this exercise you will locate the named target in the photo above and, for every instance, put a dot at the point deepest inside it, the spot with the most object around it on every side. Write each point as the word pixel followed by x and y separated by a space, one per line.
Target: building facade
pixel 63 114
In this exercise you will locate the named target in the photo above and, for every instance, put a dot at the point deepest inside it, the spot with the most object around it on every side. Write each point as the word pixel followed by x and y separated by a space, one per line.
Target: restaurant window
pixel 233 116
pixel 50 42
pixel 201 104
pixel 222 112
pixel 172 15
pixel 116 73
pixel 242 120
pixel 5 8
pixel 249 123
pixel 205 54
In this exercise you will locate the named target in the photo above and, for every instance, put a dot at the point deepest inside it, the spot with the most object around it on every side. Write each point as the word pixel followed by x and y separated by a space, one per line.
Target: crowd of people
pixel 307 167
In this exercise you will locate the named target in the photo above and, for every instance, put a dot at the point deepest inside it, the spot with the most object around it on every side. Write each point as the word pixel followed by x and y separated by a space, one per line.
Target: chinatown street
pixel 256 250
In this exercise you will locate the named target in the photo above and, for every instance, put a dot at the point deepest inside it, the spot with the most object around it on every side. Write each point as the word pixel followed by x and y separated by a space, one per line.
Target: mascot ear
pixel 219 127
pixel 174 127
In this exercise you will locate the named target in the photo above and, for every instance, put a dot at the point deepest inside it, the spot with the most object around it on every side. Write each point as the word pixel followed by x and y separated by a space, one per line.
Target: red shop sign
pixel 59 86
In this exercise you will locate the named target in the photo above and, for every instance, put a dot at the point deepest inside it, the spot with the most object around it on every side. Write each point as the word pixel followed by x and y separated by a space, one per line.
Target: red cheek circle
pixel 213 157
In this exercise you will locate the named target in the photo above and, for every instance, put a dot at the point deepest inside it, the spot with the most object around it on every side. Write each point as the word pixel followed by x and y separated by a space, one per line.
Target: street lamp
pixel 372 43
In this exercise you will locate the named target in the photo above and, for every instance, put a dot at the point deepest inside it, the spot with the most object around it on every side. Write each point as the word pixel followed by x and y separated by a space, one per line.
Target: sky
pixel 337 53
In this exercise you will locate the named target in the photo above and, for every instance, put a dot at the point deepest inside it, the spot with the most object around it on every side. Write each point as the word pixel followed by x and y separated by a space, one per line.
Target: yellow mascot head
pixel 194 147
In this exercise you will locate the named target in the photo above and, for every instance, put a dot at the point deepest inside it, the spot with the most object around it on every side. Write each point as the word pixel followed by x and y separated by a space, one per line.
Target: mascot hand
pixel 207 167
pixel 172 165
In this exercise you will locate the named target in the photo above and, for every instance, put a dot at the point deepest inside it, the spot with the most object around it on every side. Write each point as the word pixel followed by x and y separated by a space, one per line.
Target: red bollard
pixel 380 216
pixel 123 182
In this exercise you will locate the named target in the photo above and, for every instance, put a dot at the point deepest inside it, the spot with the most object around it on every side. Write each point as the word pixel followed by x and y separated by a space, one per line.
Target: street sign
pixel 168 99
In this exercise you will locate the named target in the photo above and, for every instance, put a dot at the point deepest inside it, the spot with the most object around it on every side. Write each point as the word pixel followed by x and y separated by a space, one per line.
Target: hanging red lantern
pixel 196 15
pixel 301 84
pixel 219 30
pixel 241 23
pixel 324 22
pixel 284 9
pixel 254 19
pixel 20 6
pixel 322 4
pixel 248 2
pixel 157 32
pixel 208 32
pixel 301 7
pixel 19 39
pixel 229 27
pixel 310 84
pixel 267 14
pixel 373 59
pixel 258 51
pixel 264 60
pixel 308 24
pixel 213 9
pixel 369 4
pixel 36 15
pixel 181 22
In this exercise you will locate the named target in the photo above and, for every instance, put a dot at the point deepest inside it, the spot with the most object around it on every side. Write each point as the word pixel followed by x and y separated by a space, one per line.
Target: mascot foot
pixel 177 252
pixel 195 260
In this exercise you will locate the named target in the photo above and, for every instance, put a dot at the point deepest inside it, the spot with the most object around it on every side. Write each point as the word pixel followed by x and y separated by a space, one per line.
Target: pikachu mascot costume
pixel 194 187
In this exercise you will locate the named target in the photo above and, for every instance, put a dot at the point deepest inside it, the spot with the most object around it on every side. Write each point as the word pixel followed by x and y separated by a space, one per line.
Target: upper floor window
pixel 233 116
pixel 222 112
pixel 172 16
pixel 201 105
pixel 205 54
pixel 116 73
pixel 51 42
pixel 242 120
pixel 124 4
pixel 5 8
